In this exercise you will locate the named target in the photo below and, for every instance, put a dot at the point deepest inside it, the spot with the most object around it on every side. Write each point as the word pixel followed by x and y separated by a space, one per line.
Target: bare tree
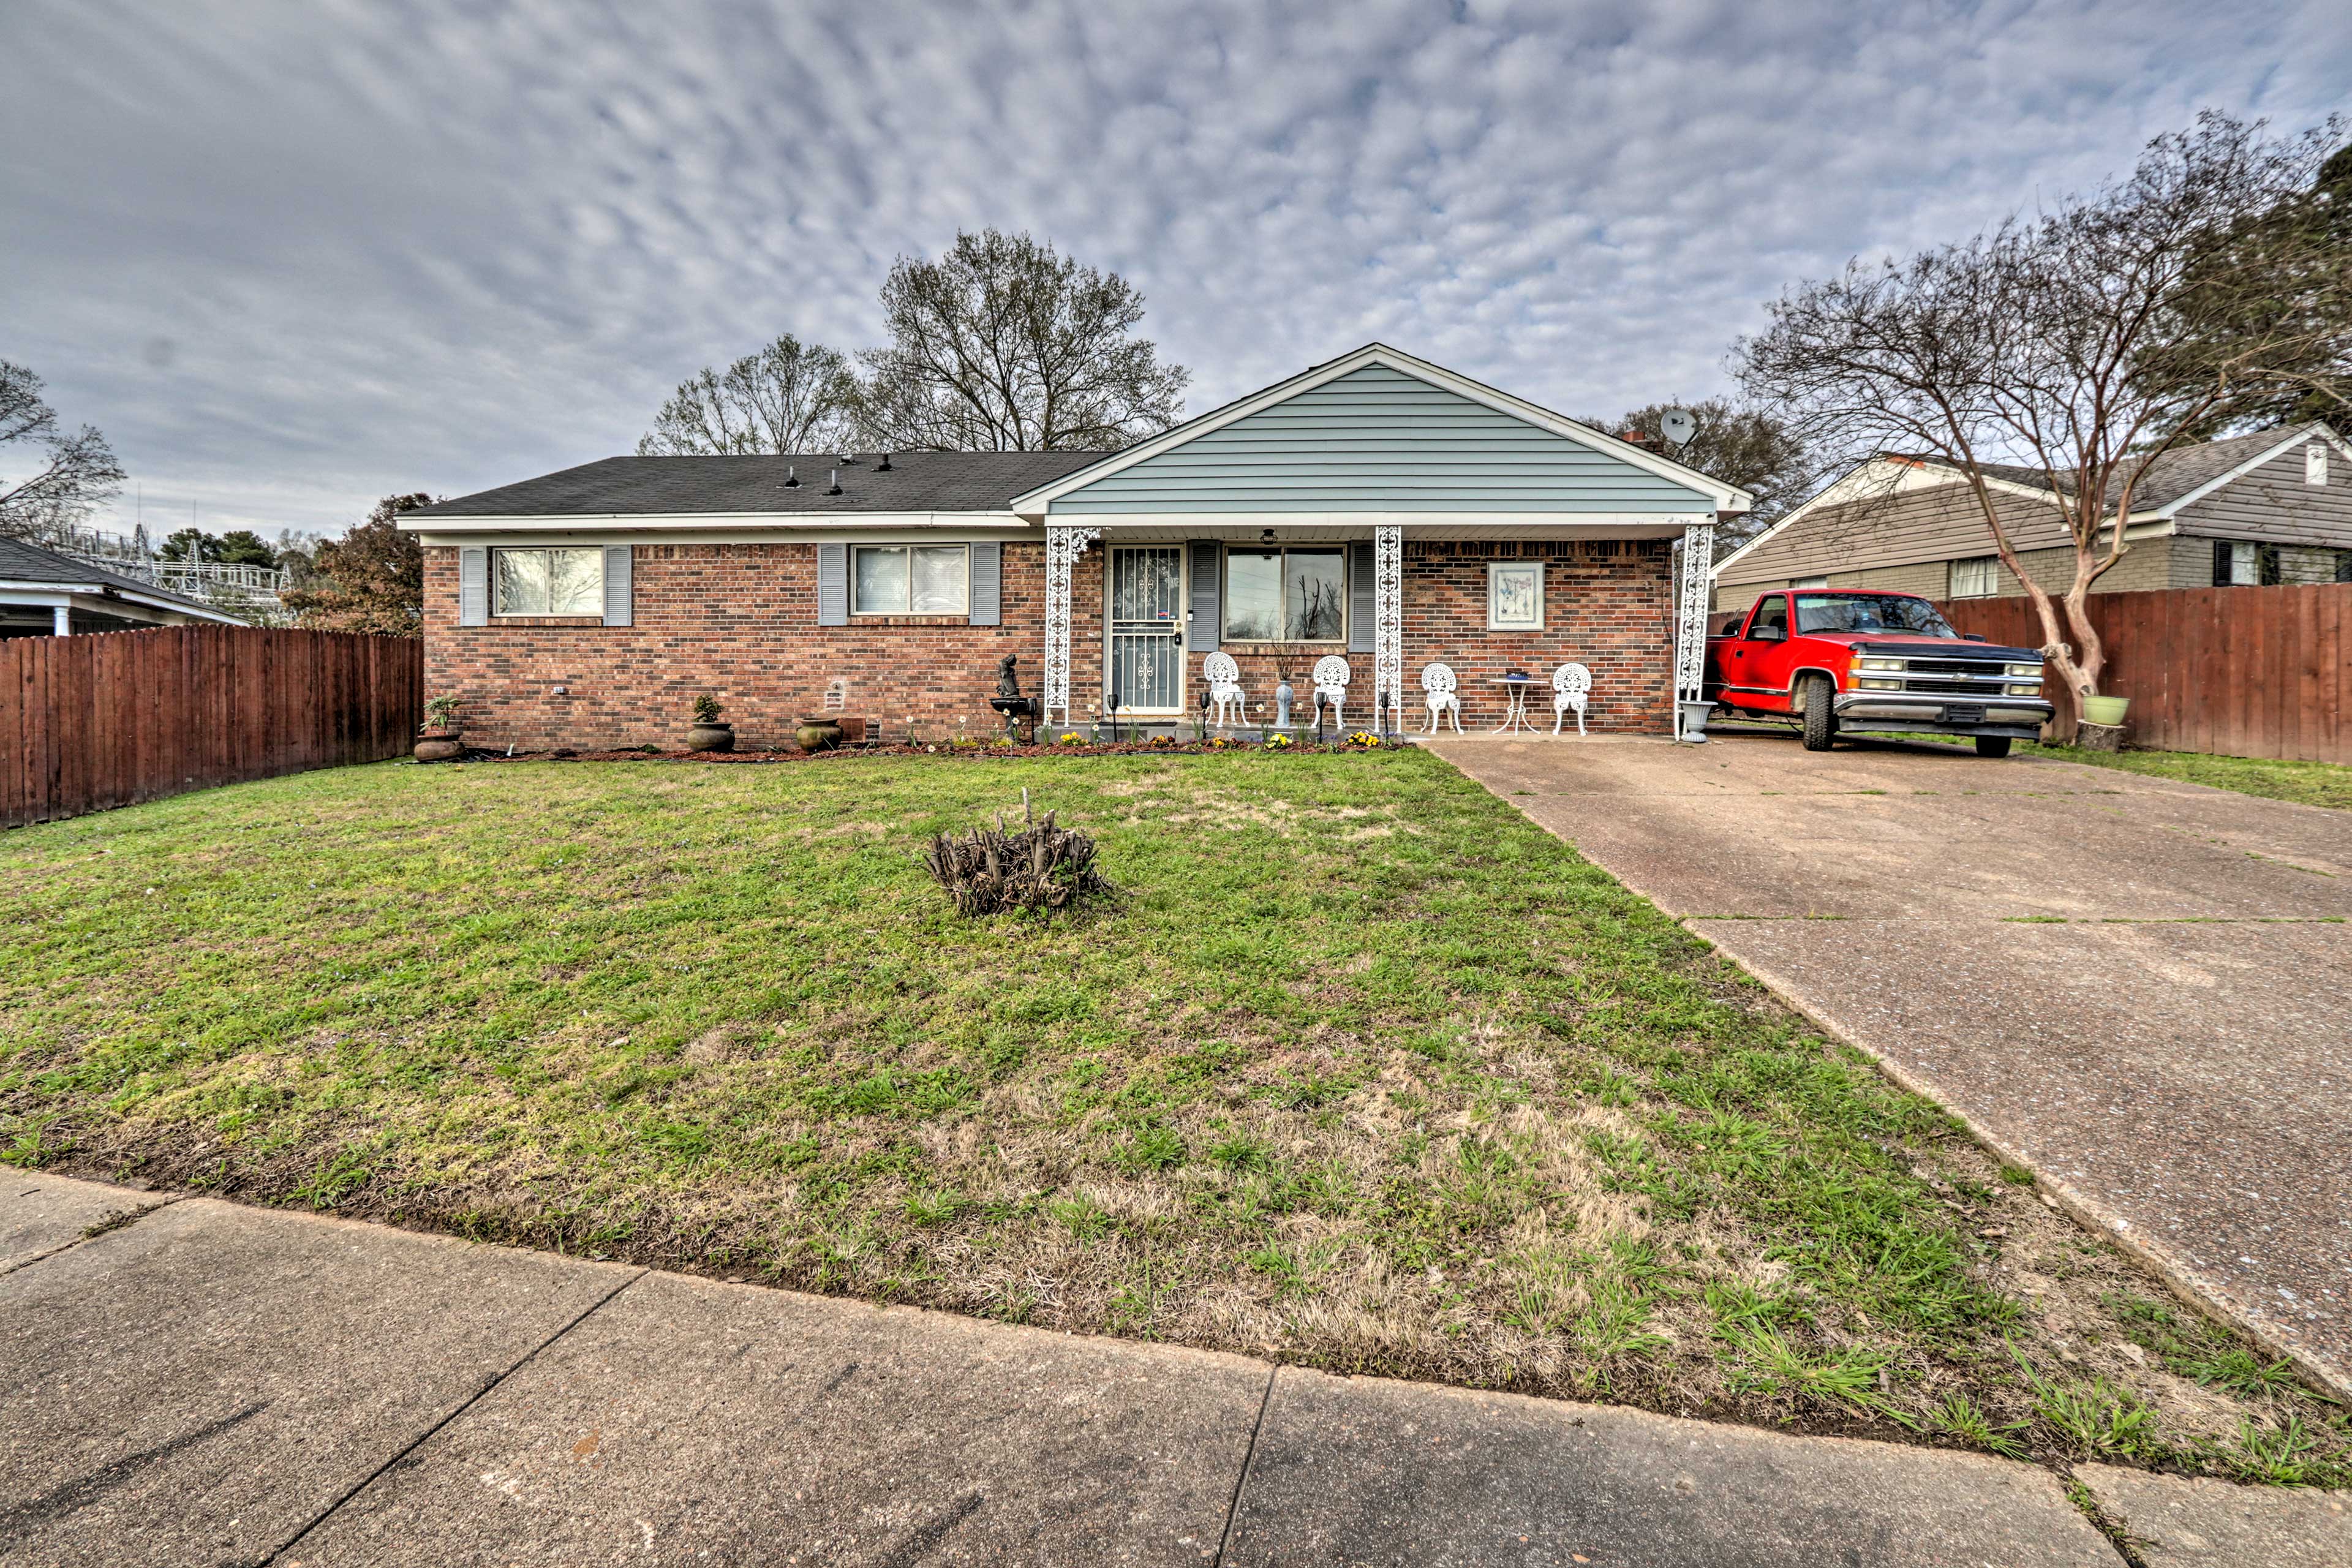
pixel 1756 450
pixel 791 396
pixel 2084 342
pixel 73 473
pixel 1004 344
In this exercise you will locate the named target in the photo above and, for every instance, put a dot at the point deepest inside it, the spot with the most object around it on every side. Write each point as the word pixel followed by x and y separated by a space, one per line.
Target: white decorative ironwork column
pixel 1388 625
pixel 1064 544
pixel 1695 585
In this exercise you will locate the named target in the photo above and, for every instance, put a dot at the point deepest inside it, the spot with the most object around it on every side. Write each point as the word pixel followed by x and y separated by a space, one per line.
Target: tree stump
pixel 2099 737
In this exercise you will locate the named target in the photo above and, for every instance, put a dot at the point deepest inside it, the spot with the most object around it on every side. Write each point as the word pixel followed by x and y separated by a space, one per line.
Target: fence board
pixel 2248 672
pixel 114 718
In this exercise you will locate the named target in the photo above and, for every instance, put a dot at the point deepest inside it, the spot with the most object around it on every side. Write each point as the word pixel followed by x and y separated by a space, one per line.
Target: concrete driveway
pixel 2141 989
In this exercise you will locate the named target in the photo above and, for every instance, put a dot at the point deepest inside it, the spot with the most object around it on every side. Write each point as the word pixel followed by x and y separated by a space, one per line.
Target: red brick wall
pixel 739 621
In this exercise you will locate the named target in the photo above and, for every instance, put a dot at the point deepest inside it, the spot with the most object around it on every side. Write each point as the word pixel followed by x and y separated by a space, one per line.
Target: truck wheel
pixel 1821 714
pixel 1992 745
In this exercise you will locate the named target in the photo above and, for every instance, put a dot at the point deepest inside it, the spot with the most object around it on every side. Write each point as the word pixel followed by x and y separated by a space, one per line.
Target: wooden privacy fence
pixel 2247 672
pixel 109 719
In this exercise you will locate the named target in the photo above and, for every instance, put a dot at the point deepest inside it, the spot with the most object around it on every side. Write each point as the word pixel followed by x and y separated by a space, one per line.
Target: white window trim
pixel 1807 583
pixel 1282 582
pixel 1991 589
pixel 909 546
pixel 500 615
pixel 2315 463
pixel 1495 570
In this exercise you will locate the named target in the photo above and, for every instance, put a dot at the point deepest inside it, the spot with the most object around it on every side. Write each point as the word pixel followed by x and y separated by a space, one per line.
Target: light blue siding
pixel 1379 441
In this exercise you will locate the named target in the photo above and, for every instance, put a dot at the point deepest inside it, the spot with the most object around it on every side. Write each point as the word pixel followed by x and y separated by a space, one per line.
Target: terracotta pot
pixel 711 738
pixel 818 732
pixel 439 746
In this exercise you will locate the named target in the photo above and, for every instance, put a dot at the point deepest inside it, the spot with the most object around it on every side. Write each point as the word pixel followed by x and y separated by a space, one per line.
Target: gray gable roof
pixel 2170 477
pixel 24 563
pixel 653 486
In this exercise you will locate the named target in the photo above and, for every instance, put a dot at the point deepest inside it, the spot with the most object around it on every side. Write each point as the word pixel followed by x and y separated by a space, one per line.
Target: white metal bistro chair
pixel 1437 680
pixel 1572 684
pixel 1224 678
pixel 1331 676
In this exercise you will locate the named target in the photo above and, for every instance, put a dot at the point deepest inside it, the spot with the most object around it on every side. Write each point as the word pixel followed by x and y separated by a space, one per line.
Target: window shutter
pixel 473 587
pixel 987 584
pixel 1361 616
pixel 1208 601
pixel 833 585
pixel 620 594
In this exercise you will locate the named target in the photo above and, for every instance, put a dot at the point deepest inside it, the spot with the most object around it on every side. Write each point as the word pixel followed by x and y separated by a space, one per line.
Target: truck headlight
pixel 1879 685
pixel 2033 690
pixel 1878 664
pixel 2016 669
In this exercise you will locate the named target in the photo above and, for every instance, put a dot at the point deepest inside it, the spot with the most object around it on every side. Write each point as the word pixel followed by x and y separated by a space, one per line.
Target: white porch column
pixel 1695 582
pixel 61 620
pixel 1388 623
pixel 1064 544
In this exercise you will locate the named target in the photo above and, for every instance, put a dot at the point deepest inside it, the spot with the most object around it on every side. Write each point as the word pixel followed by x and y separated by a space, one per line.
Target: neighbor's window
pixel 550 581
pixel 2237 565
pixel 2315 463
pixel 1974 578
pixel 912 579
pixel 1285 595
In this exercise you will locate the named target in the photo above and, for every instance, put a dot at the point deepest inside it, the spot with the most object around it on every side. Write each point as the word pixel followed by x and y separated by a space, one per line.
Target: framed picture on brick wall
pixel 1515 596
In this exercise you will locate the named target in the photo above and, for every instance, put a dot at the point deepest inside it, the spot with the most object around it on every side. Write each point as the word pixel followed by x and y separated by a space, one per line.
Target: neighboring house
pixel 1377 508
pixel 46 594
pixel 2274 507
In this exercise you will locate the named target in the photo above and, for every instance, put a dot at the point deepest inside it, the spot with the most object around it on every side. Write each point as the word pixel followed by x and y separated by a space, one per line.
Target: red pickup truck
pixel 1854 661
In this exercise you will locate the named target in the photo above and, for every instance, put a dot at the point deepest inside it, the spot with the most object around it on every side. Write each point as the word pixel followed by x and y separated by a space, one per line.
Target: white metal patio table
pixel 1516 717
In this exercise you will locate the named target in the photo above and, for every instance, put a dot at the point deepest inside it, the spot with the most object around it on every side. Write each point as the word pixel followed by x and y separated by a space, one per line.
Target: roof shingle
pixel 648 487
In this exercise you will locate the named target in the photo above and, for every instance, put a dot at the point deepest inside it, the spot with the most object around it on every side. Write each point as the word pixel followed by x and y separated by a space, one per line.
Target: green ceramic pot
pixel 2104 710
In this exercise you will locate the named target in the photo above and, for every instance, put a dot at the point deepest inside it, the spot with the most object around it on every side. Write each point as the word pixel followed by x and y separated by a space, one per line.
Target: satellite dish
pixel 1678 426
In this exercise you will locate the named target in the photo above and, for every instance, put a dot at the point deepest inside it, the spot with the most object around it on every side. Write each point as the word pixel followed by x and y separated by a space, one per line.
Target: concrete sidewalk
pixel 190 1382
pixel 2135 986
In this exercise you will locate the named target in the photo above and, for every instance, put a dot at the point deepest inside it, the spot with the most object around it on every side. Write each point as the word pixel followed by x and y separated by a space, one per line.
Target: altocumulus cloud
pixel 293 257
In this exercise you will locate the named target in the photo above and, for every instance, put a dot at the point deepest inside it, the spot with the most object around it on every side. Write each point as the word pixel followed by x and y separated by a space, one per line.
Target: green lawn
pixel 2307 783
pixel 1364 1072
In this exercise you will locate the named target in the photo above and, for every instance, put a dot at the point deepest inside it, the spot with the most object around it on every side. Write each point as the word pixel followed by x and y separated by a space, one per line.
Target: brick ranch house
pixel 1378 508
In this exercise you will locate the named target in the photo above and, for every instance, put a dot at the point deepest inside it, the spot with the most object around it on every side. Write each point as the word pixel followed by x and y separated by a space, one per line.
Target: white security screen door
pixel 1147 627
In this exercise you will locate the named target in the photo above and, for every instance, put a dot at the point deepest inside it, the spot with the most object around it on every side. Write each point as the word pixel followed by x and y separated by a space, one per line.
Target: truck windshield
pixel 1869 613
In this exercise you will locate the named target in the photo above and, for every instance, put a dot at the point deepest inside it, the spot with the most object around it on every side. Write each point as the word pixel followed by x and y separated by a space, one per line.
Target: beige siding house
pixel 2274 507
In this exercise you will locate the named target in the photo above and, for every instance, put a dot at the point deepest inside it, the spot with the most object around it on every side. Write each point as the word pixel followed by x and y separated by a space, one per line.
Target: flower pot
pixel 711 738
pixel 1695 720
pixel 439 746
pixel 818 732
pixel 2104 710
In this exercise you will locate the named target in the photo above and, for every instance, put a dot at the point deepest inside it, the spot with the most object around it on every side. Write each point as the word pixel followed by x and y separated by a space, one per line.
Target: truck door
pixel 1759 659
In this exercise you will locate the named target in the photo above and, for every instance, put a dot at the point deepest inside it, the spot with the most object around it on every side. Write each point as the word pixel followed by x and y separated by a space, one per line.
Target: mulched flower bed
pixel 794 754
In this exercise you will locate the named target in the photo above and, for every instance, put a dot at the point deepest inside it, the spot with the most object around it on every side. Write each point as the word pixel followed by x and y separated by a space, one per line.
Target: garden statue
pixel 1008 699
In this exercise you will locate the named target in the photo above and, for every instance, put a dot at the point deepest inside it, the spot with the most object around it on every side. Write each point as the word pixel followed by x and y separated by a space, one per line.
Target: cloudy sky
pixel 290 257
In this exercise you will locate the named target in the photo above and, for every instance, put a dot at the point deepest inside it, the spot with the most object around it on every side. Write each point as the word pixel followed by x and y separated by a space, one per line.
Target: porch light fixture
pixel 1266 536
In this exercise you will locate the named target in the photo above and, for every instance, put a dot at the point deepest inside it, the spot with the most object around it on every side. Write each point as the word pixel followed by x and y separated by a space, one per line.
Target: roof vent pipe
pixel 792 476
pixel 835 488
pixel 884 466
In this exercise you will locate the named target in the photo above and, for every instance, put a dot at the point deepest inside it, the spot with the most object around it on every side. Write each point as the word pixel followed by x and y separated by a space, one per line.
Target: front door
pixel 1147 627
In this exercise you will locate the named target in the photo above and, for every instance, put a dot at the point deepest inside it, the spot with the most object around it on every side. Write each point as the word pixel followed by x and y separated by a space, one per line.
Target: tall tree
pixel 243 547
pixel 1758 451
pixel 790 396
pixel 1004 344
pixel 2082 343
pixel 370 580
pixel 190 544
pixel 67 474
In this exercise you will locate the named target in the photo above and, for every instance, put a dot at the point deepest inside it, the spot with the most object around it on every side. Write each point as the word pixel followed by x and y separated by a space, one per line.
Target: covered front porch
pixel 1163 624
